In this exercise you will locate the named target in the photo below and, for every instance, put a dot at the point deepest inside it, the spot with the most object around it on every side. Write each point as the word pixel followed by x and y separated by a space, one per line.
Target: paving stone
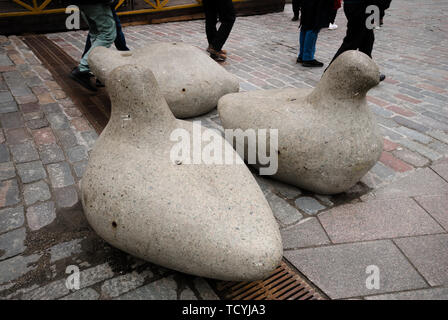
pixel 309 205
pixel 441 169
pixel 411 157
pixel 340 270
pixel 11 218
pixel 31 171
pixel 187 294
pixel 285 190
pixel 17 136
pixel 40 215
pixel 11 120
pixel 44 136
pixel 51 291
pixel 60 175
pixel 89 137
pixel 414 135
pixel 423 150
pixel 51 154
pixel 5 96
pixel 84 294
pixel 424 294
pixel 9 193
pixel 4 153
pixel 418 183
pixel 377 219
pixel 16 83
pixel 163 289
pixel 81 124
pixel 394 163
pixel 95 274
pixel 117 286
pixel 66 138
pixel 65 249
pixel 80 168
pixel 382 171
pixel 12 243
pixel 8 107
pixel 437 206
pixel 16 267
pixel 429 255
pixel 307 233
pixel 205 291
pixel 439 135
pixel 35 192
pixel 410 124
pixel 283 211
pixel 77 153
pixel 58 121
pixel 326 200
pixel 51 108
pixel 30 107
pixel 66 197
pixel 24 152
pixel 35 124
pixel 33 116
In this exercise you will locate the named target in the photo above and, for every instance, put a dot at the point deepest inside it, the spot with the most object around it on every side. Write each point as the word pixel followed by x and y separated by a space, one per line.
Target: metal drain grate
pixel 283 284
pixel 94 106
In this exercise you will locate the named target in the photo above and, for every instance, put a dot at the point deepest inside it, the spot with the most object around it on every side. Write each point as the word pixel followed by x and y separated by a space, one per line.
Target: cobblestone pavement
pixel 395 219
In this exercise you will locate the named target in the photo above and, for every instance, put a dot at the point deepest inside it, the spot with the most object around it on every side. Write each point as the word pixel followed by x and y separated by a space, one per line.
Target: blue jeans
pixel 307 41
pixel 102 29
pixel 120 41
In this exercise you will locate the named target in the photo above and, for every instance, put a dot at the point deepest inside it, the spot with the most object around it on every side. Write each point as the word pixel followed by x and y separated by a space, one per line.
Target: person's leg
pixel 333 14
pixel 101 27
pixel 309 45
pixel 296 9
pixel 88 44
pixel 227 16
pixel 356 26
pixel 366 45
pixel 301 44
pixel 211 19
pixel 120 40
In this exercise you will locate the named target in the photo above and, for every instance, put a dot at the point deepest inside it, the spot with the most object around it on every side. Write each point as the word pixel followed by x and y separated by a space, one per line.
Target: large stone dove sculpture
pixel 206 220
pixel 190 80
pixel 328 138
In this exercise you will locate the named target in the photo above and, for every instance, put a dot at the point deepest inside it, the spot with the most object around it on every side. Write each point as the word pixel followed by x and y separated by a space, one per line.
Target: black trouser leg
pixel 333 14
pixel 358 36
pixel 226 13
pixel 296 7
pixel 211 19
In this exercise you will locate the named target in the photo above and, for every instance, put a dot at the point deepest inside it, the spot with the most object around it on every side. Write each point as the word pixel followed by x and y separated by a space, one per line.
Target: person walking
pixel 102 29
pixel 225 12
pixel 315 16
pixel 334 12
pixel 120 40
pixel 296 9
pixel 359 35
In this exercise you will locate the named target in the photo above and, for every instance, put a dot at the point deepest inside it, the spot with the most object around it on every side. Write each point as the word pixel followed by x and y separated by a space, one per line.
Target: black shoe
pixel 299 60
pixel 295 18
pixel 312 64
pixel 83 78
pixel 382 77
pixel 99 84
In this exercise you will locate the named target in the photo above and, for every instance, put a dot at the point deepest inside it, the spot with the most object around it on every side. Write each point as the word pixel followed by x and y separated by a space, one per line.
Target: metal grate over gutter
pixel 284 283
pixel 94 106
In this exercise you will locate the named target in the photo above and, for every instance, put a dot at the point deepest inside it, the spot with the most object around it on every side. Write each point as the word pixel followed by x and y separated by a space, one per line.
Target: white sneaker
pixel 332 26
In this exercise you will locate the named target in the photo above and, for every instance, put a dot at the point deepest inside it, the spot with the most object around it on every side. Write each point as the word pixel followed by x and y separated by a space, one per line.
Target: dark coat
pixel 316 14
